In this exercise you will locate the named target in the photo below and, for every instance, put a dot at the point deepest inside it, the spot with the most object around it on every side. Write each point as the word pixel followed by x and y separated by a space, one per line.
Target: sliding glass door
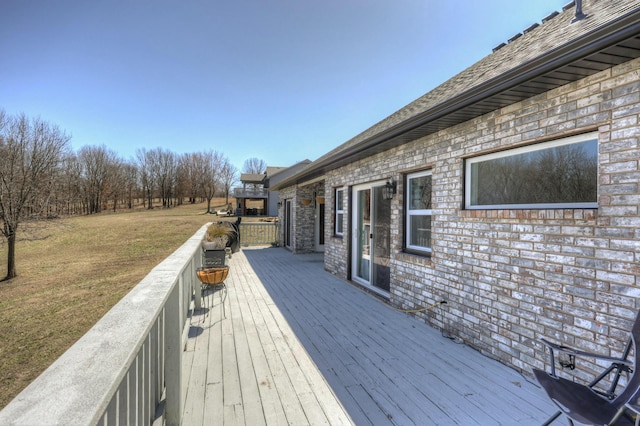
pixel 371 236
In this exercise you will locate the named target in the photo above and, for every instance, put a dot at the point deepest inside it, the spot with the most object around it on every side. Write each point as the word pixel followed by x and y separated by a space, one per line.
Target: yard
pixel 71 271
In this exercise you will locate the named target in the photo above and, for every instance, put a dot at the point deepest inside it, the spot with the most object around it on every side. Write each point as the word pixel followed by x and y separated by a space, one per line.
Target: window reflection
pixel 562 174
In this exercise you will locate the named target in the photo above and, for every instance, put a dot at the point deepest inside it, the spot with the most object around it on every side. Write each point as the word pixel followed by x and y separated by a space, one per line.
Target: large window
pixel 419 213
pixel 339 211
pixel 556 174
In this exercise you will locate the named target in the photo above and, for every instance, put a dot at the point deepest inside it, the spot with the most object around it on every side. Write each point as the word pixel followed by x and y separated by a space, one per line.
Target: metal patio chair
pixel 213 279
pixel 584 404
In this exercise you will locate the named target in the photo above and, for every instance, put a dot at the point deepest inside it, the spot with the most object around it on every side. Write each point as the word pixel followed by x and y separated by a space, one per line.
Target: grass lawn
pixel 70 273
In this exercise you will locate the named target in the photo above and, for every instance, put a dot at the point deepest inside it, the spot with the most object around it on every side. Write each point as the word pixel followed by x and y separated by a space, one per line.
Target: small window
pixel 556 174
pixel 339 211
pixel 419 213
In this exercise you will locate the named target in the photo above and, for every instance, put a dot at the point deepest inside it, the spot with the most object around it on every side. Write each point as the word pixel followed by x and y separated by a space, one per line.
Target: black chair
pixel 585 404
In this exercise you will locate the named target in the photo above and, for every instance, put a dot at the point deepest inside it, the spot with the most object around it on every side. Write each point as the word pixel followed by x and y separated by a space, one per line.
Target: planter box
pixel 213 258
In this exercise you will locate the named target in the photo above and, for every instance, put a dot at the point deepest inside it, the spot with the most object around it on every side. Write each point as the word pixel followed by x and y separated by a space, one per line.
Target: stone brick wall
pixel 513 276
pixel 336 251
pixel 304 231
pixel 302 216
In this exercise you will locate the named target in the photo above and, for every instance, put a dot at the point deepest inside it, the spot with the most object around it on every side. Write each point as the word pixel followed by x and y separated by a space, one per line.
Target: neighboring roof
pixel 273 174
pixel 284 173
pixel 272 170
pixel 557 52
pixel 252 178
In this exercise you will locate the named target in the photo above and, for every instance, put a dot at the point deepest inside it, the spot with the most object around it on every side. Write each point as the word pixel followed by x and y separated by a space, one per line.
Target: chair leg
pixel 553 418
pixel 205 301
pixel 223 299
pixel 618 415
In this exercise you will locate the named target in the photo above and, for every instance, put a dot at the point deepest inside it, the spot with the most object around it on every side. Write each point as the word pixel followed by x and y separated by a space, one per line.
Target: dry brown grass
pixel 70 273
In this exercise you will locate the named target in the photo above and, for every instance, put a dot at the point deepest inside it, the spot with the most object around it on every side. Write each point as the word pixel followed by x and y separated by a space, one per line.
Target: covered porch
pixel 252 198
pixel 300 346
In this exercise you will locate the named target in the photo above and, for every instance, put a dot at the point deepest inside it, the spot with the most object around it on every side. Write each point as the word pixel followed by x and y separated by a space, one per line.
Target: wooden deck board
pixel 299 346
pixel 294 390
pixel 213 413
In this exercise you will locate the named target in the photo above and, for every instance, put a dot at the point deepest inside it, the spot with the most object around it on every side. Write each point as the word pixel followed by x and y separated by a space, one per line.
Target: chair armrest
pixel 575 352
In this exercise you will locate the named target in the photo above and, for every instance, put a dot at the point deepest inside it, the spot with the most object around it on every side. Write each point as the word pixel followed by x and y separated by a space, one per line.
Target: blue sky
pixel 280 80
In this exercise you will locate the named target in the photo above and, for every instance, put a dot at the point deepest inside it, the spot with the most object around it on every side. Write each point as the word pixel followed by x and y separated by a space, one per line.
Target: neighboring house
pixel 276 175
pixel 252 198
pixel 255 198
pixel 511 191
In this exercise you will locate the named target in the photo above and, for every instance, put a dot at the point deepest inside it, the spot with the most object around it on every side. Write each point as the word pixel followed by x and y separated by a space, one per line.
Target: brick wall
pixel 513 276
pixel 302 216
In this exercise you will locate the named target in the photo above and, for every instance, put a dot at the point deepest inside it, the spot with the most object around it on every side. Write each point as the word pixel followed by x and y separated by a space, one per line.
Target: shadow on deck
pixel 300 346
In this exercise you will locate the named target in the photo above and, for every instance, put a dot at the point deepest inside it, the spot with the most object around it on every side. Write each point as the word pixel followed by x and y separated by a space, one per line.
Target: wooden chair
pixel 583 403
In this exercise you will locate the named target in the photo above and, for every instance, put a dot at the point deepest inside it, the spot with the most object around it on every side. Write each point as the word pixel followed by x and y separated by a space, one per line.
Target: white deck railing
pixel 127 368
pixel 250 192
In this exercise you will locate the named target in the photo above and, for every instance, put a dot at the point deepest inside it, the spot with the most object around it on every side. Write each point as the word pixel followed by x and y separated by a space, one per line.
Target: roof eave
pixel 592 42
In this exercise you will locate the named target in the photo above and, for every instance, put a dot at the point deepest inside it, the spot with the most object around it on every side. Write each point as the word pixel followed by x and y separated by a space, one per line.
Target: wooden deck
pixel 299 346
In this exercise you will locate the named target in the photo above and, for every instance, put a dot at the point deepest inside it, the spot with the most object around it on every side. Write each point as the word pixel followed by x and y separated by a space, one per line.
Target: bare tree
pixel 115 183
pixel 228 175
pixel 210 168
pixel 70 185
pixel 187 179
pixel 97 163
pixel 254 166
pixel 130 176
pixel 163 165
pixel 30 154
pixel 146 176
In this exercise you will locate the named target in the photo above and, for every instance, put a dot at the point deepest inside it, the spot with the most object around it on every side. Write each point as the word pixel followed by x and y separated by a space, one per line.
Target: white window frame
pixel 515 151
pixel 339 214
pixel 416 212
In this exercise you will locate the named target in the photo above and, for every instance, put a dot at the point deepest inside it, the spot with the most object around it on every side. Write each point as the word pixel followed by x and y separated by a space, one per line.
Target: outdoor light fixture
pixel 389 189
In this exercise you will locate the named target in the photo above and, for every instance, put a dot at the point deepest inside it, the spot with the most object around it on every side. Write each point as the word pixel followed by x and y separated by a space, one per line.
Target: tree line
pixel 41 177
pixel 562 174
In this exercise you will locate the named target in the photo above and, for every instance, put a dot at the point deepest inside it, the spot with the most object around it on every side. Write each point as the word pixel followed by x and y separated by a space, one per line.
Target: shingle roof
pixel 272 170
pixel 252 177
pixel 536 53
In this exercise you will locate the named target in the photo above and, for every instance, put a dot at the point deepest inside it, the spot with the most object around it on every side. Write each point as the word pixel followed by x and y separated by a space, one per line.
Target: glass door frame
pixel 355 223
pixel 288 211
pixel 319 227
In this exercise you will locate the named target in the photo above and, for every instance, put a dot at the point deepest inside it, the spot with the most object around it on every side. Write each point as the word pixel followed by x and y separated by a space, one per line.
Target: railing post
pixel 195 285
pixel 173 360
